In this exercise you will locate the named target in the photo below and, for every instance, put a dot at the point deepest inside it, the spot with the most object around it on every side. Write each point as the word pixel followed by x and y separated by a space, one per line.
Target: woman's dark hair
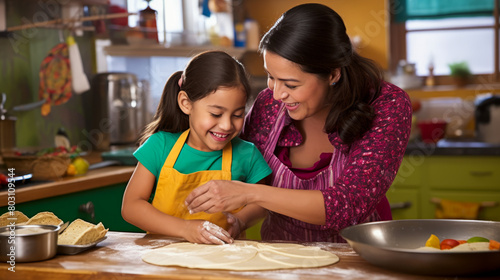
pixel 204 74
pixel 314 36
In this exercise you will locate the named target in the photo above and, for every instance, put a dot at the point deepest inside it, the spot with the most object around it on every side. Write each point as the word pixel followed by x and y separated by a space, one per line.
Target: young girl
pixel 191 141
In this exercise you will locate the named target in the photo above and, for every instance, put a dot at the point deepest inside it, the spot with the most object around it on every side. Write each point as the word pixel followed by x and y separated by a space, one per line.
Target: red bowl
pixel 432 131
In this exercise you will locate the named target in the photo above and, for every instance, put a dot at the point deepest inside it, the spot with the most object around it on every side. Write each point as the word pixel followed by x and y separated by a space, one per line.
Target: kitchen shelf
pixel 160 50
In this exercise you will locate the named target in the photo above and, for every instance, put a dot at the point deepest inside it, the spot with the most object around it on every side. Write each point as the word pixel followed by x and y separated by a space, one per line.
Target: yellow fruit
pixel 81 165
pixel 71 171
pixel 433 242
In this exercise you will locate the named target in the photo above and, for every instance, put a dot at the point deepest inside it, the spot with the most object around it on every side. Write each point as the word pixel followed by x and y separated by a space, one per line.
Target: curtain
pixel 436 9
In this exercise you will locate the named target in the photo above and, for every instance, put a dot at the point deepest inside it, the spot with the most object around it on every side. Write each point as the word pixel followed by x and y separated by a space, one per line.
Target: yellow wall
pixel 365 18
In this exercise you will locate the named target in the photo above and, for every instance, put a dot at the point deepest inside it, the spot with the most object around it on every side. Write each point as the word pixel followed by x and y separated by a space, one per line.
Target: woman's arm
pixel 138 211
pixel 372 162
pixel 223 196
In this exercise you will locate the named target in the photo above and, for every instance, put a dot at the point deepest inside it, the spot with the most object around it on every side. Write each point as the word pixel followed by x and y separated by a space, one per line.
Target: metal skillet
pixel 392 244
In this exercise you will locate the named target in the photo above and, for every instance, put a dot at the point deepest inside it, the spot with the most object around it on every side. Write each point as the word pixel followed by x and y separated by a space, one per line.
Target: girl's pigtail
pixel 168 116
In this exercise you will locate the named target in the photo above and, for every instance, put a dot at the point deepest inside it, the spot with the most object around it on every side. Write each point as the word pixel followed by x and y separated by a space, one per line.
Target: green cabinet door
pixel 490 213
pixel 106 201
pixel 405 203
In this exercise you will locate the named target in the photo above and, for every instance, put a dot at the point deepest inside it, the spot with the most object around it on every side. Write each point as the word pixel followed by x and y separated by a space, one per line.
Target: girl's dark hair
pixel 314 36
pixel 204 74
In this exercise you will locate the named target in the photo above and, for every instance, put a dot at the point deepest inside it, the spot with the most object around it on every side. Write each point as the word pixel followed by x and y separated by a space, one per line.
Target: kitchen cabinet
pixel 96 205
pixel 100 190
pixel 422 179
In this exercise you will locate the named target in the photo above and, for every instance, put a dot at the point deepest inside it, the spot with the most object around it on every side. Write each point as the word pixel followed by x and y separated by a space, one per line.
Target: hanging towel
pixel 449 209
pixel 79 81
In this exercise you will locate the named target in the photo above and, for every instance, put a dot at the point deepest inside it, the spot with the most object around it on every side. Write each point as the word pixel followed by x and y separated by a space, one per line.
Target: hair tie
pixel 180 81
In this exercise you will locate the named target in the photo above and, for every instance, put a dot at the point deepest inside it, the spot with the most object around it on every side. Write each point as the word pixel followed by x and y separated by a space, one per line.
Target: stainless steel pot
pixel 116 109
pixel 20 244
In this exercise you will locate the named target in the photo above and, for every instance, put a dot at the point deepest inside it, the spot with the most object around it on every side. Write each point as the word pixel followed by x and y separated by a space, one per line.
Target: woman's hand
pixel 199 231
pixel 217 196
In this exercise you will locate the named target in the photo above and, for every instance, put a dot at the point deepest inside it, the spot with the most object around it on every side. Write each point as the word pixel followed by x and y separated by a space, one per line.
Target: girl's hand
pixel 217 196
pixel 236 226
pixel 199 231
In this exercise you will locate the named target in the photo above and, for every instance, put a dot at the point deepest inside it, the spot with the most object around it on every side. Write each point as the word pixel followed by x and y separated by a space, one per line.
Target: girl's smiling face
pixel 215 119
pixel 303 93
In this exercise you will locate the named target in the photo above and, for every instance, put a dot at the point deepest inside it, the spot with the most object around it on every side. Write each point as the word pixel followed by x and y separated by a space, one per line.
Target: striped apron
pixel 280 227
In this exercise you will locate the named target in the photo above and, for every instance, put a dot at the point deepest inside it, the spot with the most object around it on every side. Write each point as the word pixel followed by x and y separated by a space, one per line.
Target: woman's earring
pixel 333 83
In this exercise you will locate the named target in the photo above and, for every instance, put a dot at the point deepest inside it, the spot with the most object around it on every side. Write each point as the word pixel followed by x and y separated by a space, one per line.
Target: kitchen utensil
pixel 432 131
pixel 488 119
pixel 123 156
pixel 104 163
pixel 18 180
pixel 28 247
pixel 117 102
pixel 63 227
pixel 392 244
pixel 28 107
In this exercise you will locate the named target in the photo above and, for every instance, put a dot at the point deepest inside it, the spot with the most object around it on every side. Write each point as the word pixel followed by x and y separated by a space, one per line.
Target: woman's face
pixel 215 119
pixel 303 93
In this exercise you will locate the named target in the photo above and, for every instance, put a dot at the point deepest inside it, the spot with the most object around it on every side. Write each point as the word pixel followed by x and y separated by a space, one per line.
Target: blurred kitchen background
pixel 445 56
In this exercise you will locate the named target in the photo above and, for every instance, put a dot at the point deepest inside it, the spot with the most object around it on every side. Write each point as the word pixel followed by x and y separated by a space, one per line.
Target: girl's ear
pixel 184 102
pixel 335 76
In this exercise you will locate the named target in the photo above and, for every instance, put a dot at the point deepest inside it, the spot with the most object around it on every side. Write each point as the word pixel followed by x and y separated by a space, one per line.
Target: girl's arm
pixel 138 211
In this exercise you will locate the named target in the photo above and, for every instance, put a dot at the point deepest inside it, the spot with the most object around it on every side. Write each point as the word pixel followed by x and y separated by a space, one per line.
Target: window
pixel 440 32
pixel 169 19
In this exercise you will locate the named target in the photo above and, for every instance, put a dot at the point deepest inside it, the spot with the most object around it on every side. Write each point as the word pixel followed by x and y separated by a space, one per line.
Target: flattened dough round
pixel 199 255
pixel 241 255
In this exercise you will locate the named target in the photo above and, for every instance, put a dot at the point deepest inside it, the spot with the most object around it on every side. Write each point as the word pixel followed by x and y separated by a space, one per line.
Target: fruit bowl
pixel 46 164
pixel 42 167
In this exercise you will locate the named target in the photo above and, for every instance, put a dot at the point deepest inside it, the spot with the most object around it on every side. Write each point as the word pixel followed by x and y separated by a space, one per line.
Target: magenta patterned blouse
pixel 371 162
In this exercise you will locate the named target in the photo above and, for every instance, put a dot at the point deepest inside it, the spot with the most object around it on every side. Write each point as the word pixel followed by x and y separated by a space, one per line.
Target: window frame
pixel 398 47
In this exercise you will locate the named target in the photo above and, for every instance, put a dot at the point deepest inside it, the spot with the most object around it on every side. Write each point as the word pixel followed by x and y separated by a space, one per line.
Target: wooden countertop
pixel 119 257
pixel 93 179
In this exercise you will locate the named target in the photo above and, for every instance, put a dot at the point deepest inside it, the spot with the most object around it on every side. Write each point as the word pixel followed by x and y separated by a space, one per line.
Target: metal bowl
pixel 392 244
pixel 28 243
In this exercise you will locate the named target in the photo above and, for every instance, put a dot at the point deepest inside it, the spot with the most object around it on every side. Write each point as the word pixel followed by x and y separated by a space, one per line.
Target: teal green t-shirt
pixel 248 164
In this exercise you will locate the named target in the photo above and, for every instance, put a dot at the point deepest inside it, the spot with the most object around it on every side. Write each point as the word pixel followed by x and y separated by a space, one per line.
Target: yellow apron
pixel 173 187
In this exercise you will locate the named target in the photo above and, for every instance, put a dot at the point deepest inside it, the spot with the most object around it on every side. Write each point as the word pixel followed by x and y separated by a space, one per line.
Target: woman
pixel 333 132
